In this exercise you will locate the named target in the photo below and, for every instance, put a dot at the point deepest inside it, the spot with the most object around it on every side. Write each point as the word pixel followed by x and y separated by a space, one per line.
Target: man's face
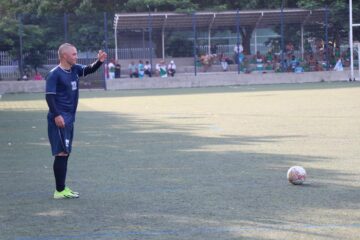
pixel 70 55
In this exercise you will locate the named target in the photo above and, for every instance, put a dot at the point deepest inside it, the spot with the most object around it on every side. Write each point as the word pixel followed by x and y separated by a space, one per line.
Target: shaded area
pixel 142 179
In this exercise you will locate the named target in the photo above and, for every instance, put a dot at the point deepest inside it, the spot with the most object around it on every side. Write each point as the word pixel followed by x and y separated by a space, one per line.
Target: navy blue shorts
pixel 60 138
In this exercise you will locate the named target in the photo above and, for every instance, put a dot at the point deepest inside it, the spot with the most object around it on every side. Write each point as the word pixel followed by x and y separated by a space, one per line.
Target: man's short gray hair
pixel 63 47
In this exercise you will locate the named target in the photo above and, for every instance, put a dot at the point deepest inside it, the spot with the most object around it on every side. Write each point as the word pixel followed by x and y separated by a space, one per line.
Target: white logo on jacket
pixel 74 85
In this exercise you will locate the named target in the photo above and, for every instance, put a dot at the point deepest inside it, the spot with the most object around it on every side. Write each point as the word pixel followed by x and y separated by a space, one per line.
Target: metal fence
pixel 270 49
pixel 9 67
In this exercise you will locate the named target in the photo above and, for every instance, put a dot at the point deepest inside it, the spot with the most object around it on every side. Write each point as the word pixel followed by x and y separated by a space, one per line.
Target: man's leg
pixel 61 141
pixel 60 169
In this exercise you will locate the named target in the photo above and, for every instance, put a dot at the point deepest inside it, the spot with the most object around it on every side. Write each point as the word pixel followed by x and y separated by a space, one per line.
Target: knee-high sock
pixel 60 168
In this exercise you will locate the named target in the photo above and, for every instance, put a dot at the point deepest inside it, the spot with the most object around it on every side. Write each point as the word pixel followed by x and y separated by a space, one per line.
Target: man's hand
pixel 59 121
pixel 102 56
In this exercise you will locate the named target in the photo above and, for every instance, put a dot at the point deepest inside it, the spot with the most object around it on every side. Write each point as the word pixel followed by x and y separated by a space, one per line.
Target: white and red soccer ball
pixel 296 175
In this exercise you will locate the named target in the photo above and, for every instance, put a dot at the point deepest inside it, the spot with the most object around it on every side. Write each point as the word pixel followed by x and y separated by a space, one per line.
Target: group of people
pixel 161 69
pixel 320 60
pixel 139 70
pixel 27 76
pixel 113 69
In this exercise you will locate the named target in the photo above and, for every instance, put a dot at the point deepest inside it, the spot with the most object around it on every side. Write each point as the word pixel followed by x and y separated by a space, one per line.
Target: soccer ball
pixel 296 175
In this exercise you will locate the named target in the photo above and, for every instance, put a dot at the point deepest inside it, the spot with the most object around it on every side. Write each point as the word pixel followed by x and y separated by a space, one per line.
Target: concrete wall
pixel 189 80
pixel 21 86
pixel 224 79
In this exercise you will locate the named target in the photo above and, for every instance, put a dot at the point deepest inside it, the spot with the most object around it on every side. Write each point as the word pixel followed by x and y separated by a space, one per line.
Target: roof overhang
pixel 260 18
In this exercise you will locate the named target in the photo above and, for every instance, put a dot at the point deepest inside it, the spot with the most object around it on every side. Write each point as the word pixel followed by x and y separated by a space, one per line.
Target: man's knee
pixel 62 154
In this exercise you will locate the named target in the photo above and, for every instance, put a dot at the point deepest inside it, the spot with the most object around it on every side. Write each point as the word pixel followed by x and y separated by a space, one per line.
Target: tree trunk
pixel 246 33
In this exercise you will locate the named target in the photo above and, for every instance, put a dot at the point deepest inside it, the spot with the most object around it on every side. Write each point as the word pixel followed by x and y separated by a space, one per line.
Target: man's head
pixel 67 54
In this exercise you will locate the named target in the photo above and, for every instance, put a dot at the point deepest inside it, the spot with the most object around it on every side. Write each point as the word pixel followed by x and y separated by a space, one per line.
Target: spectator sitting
pixel 207 60
pixel 157 69
pixel 224 62
pixel 293 63
pixel 289 49
pixel 117 70
pixel 312 63
pixel 238 53
pixel 171 68
pixel 133 72
pixel 38 76
pixel 147 68
pixel 298 68
pixel 318 67
pixel 25 77
pixel 162 69
pixel 141 69
pixel 269 57
pixel 259 61
pixel 339 66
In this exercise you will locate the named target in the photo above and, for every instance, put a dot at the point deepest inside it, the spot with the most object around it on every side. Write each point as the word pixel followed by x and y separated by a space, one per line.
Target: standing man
pixel 111 67
pixel 62 94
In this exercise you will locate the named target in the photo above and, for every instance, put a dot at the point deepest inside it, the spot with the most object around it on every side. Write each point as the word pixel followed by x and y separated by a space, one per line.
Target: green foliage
pixel 43 20
pixel 160 5
pixel 179 46
pixel 8 33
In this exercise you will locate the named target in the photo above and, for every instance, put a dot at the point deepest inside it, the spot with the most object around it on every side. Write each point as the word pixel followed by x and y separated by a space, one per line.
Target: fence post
pixel 106 45
pixel 326 47
pixel 282 37
pixel 150 37
pixel 21 60
pixel 238 40
pixel 195 41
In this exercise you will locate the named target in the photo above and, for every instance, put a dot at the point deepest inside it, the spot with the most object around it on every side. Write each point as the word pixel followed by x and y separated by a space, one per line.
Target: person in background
pixel 298 68
pixel 147 68
pixel 157 69
pixel 111 67
pixel 259 59
pixel 339 66
pixel 293 63
pixel 238 53
pixel 171 68
pixel 38 76
pixel 117 70
pixel 224 62
pixel 141 69
pixel 162 69
pixel 133 71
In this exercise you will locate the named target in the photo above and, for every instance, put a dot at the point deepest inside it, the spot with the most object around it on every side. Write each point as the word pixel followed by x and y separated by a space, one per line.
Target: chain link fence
pixel 276 48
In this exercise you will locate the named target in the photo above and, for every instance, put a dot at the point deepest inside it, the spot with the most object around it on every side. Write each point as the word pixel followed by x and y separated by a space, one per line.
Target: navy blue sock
pixel 60 169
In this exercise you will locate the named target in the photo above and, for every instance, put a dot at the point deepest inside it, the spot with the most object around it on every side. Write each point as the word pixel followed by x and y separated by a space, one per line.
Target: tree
pixel 44 20
pixel 339 16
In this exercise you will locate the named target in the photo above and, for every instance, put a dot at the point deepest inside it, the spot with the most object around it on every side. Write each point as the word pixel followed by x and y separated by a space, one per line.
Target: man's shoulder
pixel 53 72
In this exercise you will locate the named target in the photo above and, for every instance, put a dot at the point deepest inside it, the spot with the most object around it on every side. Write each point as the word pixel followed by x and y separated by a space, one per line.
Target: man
pixel 62 94
pixel 172 68
pixel 147 68
pixel 111 67
pixel 133 71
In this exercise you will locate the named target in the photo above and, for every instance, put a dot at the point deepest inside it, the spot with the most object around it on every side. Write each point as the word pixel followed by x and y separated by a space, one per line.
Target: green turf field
pixel 207 163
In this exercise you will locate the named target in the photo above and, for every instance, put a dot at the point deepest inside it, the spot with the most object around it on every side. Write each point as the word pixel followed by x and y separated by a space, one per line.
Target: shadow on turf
pixel 161 181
